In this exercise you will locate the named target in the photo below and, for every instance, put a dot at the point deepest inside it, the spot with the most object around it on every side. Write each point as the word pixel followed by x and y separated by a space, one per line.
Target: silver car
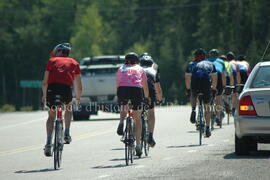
pixel 252 118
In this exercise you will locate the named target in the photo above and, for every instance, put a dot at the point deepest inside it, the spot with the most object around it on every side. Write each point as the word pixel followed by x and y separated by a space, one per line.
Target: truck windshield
pixel 99 71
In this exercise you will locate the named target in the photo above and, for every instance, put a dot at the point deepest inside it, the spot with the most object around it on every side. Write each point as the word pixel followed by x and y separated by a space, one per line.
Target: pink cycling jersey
pixel 130 76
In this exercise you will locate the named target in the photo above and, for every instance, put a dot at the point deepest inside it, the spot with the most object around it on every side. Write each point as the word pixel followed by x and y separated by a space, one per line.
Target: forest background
pixel 169 30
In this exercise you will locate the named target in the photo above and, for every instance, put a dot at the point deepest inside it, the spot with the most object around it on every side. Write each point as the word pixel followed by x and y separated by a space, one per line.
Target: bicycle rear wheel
pixel 126 147
pixel 201 124
pixel 58 145
pixel 131 143
pixel 144 138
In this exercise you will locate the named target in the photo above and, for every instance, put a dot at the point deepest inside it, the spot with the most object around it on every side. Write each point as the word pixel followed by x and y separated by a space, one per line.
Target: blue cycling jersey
pixel 191 65
pixel 218 63
pixel 203 69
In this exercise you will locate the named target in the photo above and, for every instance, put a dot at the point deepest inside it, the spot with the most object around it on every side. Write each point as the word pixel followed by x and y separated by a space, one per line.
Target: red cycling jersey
pixel 62 70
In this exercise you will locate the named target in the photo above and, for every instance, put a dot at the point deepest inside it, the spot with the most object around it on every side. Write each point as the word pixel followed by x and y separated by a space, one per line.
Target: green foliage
pixel 27 108
pixel 8 108
pixel 168 29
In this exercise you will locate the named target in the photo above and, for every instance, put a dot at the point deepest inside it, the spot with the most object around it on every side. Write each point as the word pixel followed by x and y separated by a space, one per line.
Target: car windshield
pixel 100 71
pixel 262 78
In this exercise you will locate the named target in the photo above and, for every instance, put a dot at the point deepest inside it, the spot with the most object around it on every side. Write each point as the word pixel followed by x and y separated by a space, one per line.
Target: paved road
pixel 97 153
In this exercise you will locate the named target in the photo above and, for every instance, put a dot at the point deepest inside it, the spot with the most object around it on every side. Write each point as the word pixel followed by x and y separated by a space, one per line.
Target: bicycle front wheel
pixel 57 148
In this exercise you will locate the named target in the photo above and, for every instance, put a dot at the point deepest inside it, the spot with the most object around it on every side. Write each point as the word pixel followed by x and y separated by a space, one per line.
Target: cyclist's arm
pixel 231 79
pixel 78 82
pixel 145 85
pixel 45 85
pixel 187 80
pixel 158 91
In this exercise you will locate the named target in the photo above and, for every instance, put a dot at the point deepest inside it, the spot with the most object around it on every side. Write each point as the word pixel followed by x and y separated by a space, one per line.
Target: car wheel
pixel 241 146
pixel 86 117
pixel 80 117
pixel 253 145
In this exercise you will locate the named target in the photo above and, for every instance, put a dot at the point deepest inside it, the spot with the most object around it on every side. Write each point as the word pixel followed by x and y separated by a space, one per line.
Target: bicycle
pixel 128 138
pixel 58 134
pixel 227 101
pixel 213 110
pixel 145 132
pixel 200 118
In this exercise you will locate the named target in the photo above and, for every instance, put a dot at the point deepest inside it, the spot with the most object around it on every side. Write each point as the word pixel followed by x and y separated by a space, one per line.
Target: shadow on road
pixel 186 146
pixel 106 119
pixel 118 149
pixel 109 166
pixel 135 158
pixel 34 171
pixel 261 154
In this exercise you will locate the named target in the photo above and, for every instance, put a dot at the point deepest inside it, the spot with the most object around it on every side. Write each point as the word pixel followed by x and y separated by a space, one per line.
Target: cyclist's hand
pixel 187 91
pixel 159 102
pixel 213 88
pixel 147 100
pixel 78 101
pixel 43 100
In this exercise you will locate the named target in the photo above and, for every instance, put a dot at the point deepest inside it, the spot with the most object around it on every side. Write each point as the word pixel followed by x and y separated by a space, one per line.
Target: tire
pixel 241 146
pixel 253 145
pixel 56 147
pixel 80 117
pixel 201 125
pixel 126 154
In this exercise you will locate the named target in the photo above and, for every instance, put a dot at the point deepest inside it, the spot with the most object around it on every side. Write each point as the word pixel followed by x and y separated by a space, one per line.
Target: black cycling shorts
pixel 244 77
pixel 219 84
pixel 201 85
pixel 55 89
pixel 134 94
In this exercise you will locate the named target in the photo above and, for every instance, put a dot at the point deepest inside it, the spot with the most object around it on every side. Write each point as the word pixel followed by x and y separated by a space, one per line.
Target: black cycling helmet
pixel 62 49
pixel 131 58
pixel 199 52
pixel 241 58
pixel 146 60
pixel 223 57
pixel 230 56
pixel 213 53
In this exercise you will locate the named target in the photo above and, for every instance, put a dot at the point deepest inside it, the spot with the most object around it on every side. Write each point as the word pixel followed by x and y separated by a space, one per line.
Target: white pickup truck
pixel 99 86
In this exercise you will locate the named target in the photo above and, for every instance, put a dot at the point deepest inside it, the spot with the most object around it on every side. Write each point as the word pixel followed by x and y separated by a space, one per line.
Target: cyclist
pixel 132 85
pixel 221 81
pixel 236 76
pixel 155 92
pixel 244 69
pixel 61 71
pixel 200 76
pixel 229 71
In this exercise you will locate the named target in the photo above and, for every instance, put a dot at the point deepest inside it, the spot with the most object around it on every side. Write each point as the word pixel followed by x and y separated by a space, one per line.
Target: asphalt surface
pixel 97 153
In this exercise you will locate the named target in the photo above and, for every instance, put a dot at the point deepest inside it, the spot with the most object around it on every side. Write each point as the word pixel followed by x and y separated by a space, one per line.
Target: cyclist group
pixel 210 77
pixel 138 82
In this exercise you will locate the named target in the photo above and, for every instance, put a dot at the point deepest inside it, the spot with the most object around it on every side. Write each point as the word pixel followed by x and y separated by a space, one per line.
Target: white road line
pixel 226 140
pixel 39 146
pixel 23 123
pixel 210 145
pixel 104 176
pixel 192 151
